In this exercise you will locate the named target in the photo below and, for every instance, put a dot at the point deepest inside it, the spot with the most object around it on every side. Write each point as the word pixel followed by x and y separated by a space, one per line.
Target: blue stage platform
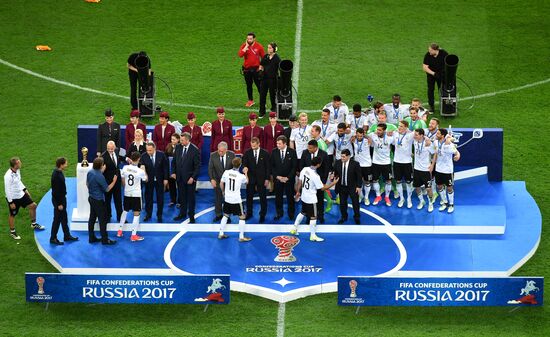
pixel 495 229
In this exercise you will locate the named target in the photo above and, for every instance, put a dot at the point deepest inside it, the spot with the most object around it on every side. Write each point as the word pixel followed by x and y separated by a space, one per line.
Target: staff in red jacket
pixel 163 132
pixel 131 128
pixel 251 131
pixel 222 131
pixel 271 132
pixel 194 130
pixel 252 52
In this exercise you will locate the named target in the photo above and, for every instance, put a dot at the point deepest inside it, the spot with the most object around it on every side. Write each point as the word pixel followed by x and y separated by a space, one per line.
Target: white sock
pixel 443 195
pixel 377 188
pixel 399 187
pixel 367 190
pixel 421 196
pixel 451 196
pixel 122 219
pixel 241 228
pixel 387 189
pixel 409 190
pixel 223 223
pixel 135 224
pixel 312 224
pixel 298 221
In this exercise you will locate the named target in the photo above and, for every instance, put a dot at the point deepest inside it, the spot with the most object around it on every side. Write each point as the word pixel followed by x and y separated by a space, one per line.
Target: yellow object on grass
pixel 94 1
pixel 43 48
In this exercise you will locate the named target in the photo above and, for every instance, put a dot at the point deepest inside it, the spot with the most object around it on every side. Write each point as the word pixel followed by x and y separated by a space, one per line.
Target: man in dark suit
pixel 283 173
pixel 219 162
pixel 112 162
pixel 349 184
pixel 313 151
pixel 256 167
pixel 292 124
pixel 108 131
pixel 156 167
pixel 186 165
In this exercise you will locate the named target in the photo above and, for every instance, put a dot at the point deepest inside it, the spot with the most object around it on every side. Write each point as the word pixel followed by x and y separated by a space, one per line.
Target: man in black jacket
pixel 186 165
pixel 59 201
pixel 156 167
pixel 283 173
pixel 112 167
pixel 256 167
pixel 108 131
pixel 349 184
pixel 323 170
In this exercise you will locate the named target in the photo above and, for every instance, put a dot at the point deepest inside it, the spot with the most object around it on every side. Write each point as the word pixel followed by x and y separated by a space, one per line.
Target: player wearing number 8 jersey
pixel 132 176
pixel 309 182
pixel 230 184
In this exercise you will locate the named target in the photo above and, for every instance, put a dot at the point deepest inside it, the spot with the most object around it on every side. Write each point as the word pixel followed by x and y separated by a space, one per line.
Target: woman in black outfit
pixel 137 145
pixel 269 66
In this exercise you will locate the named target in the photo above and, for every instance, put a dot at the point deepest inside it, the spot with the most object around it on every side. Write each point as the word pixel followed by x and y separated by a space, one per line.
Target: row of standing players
pixel 324 132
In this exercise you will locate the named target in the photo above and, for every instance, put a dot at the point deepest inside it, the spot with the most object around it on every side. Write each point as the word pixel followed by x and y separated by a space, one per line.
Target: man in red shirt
pixel 163 132
pixel 222 131
pixel 131 128
pixel 252 52
pixel 271 132
pixel 194 130
pixel 251 131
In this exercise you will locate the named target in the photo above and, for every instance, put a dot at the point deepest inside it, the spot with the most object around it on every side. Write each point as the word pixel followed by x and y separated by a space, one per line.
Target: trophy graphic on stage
pixel 285 244
pixel 40 281
pixel 352 287
pixel 84 151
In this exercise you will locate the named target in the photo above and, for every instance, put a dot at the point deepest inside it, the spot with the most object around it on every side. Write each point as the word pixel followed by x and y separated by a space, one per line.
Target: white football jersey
pixel 357 122
pixel 403 148
pixel 445 154
pixel 361 152
pixel 396 115
pixel 311 182
pixel 133 176
pixel 372 119
pixel 327 130
pixel 430 134
pixel 382 149
pixel 422 155
pixel 342 142
pixel 337 115
pixel 233 181
pixel 300 136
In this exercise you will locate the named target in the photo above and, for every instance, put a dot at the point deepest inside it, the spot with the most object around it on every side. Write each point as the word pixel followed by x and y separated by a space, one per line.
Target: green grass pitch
pixel 351 48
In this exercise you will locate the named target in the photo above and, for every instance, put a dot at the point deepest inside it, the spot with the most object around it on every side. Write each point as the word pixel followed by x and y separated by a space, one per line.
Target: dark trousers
pixel 97 211
pixel 60 218
pixel 150 188
pixel 267 84
pixel 133 88
pixel 251 188
pixel 284 189
pixel 218 202
pixel 251 76
pixel 172 187
pixel 186 194
pixel 116 195
pixel 431 87
pixel 344 193
pixel 320 204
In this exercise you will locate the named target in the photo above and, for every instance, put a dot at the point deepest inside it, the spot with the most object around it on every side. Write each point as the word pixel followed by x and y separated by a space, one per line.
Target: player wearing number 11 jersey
pixel 132 176
pixel 230 184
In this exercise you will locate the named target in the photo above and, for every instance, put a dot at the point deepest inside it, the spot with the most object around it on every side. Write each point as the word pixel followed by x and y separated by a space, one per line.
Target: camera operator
pixel 433 66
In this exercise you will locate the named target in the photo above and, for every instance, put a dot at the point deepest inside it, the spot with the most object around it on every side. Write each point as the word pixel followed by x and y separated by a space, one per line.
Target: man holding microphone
pixel 252 52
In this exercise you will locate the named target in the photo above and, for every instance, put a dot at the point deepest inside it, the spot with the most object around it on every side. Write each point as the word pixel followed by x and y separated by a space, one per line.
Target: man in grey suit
pixel 220 161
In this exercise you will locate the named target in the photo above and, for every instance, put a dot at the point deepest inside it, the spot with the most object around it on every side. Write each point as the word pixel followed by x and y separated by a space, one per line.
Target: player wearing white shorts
pixel 132 176
pixel 446 152
pixel 402 162
pixel 230 184
pixel 381 162
pixel 300 136
pixel 361 154
pixel 309 182
pixel 423 167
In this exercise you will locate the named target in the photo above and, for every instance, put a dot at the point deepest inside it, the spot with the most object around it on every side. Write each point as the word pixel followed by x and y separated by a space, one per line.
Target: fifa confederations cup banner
pixel 184 289
pixel 388 291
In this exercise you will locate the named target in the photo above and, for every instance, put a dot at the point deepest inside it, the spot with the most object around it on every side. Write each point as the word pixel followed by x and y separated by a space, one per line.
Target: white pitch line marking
pixel 297 53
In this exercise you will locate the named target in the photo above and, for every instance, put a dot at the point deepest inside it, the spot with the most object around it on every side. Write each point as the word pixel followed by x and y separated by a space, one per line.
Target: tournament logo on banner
pixel 507 291
pixel 184 289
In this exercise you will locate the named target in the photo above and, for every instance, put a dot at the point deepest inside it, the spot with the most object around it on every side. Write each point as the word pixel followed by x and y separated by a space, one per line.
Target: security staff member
pixel 434 66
